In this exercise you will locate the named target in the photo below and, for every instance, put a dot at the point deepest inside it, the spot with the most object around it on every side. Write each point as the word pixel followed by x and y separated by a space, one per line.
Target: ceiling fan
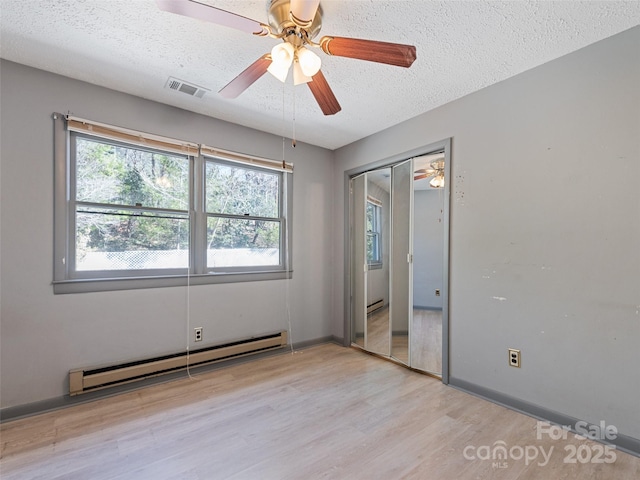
pixel 435 170
pixel 296 23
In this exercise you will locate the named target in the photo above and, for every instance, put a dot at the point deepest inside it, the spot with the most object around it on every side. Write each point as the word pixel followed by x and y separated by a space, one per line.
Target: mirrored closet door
pixel 398 261
pixel 401 259
pixel 370 207
pixel 428 266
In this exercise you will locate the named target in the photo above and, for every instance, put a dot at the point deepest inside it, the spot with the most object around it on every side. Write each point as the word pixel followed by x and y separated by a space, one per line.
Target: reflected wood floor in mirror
pixel 378 331
pixel 426 340
pixel 426 334
pixel 400 347
pixel 324 412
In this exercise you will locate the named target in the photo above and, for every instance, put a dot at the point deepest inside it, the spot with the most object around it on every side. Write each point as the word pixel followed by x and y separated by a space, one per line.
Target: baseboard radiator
pixel 375 306
pixel 84 380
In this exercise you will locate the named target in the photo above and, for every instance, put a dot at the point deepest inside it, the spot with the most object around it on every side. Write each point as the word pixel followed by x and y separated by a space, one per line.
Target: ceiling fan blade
pixel 243 81
pixel 303 11
pixel 382 52
pixel 200 11
pixel 323 94
pixel 421 176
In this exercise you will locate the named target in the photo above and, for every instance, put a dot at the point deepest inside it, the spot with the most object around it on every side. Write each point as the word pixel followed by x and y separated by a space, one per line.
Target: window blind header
pixel 110 132
pixel 131 136
pixel 246 159
pixel 373 200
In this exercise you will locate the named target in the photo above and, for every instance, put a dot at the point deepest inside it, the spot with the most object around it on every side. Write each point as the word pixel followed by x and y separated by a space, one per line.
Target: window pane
pixel 373 248
pixel 235 190
pixel 370 217
pixel 122 240
pixel 373 233
pixel 121 175
pixel 235 242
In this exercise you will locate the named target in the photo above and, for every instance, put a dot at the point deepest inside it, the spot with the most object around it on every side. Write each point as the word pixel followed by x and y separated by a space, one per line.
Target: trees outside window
pixel 131 208
pixel 374 213
pixel 244 225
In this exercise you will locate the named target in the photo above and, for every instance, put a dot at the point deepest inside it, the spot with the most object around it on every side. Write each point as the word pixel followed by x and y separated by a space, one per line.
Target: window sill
pixel 133 283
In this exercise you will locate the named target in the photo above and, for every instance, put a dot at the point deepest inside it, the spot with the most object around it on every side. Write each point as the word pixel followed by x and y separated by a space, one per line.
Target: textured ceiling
pixel 462 46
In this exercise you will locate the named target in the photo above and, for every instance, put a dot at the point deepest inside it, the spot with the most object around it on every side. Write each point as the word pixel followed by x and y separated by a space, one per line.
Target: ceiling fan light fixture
pixel 281 58
pixel 310 63
pixel 297 23
pixel 298 76
pixel 283 53
pixel 279 71
pixel 437 181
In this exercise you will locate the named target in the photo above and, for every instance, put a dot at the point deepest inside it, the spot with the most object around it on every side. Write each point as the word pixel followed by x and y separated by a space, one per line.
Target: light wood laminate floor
pixel 323 412
pixel 426 346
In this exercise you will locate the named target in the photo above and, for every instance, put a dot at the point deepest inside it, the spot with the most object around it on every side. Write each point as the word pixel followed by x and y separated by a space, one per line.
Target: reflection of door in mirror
pixel 377 257
pixel 401 198
pixel 358 259
pixel 428 246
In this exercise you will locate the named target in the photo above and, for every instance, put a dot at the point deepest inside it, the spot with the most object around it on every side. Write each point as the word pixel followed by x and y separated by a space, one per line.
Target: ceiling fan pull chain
pixel 283 122
pixel 293 136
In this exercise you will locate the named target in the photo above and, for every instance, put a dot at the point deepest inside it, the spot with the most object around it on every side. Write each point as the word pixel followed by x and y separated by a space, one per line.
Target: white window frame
pixel 375 233
pixel 73 204
pixel 68 280
pixel 280 219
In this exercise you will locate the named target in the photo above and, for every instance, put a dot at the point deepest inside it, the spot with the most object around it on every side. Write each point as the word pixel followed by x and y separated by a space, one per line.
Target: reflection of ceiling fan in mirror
pixel 435 170
pixel 296 23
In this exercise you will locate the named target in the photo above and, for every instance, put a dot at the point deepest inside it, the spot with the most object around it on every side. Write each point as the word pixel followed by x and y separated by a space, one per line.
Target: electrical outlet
pixel 437 292
pixel 197 332
pixel 514 357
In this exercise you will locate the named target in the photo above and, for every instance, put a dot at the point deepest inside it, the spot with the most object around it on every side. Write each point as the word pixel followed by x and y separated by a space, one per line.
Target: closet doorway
pixel 398 259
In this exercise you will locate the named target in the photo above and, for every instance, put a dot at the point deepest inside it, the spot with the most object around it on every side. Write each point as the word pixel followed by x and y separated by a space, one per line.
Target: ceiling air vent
pixel 184 87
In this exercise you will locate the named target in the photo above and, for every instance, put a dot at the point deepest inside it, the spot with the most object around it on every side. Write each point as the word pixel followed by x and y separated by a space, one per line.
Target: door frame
pixel 442 145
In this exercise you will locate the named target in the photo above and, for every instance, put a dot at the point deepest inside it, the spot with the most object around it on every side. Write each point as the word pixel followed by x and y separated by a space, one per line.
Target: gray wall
pixel 545 230
pixel 428 247
pixel 44 335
